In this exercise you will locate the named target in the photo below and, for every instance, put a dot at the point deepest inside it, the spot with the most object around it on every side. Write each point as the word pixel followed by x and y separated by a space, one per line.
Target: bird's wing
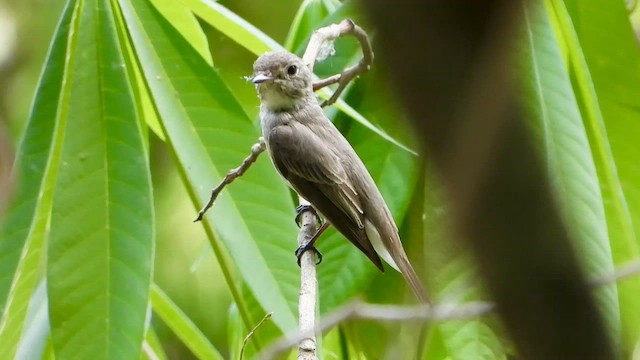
pixel 298 152
pixel 318 174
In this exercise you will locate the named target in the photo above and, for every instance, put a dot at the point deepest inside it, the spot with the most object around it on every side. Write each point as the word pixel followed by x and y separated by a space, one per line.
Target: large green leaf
pixel 605 68
pixel 24 233
pixel 209 134
pixel 551 102
pixel 102 222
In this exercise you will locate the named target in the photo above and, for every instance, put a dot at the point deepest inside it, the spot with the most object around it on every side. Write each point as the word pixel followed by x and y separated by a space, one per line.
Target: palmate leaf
pixel 102 222
pixel 551 102
pixel 209 134
pixel 24 232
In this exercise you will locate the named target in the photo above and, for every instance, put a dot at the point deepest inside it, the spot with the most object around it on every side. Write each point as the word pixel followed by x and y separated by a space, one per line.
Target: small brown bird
pixel 320 164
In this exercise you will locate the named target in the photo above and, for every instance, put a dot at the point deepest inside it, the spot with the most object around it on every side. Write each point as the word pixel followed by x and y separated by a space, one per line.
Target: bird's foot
pixel 302 208
pixel 304 248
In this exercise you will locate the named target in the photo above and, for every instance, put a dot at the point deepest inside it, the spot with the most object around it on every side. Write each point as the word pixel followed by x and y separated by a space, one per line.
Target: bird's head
pixel 282 79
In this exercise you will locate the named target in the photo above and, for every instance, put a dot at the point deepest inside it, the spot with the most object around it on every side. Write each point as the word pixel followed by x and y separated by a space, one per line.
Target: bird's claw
pixel 300 209
pixel 304 248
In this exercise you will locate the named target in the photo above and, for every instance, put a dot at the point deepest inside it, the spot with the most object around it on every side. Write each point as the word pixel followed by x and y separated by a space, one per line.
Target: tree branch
pixel 233 174
pixel 328 34
pixel 308 287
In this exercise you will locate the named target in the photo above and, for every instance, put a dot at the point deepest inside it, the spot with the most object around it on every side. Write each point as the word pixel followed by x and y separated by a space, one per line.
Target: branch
pixel 250 334
pixel 327 35
pixel 308 287
pixel 256 150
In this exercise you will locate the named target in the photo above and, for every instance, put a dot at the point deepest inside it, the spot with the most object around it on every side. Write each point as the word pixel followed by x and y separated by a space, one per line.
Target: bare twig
pixel 256 150
pixel 308 287
pixel 360 310
pixel 623 272
pixel 250 334
pixel 329 34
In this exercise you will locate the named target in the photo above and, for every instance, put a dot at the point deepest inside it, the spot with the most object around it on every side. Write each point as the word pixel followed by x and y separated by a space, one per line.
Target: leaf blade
pixel 100 251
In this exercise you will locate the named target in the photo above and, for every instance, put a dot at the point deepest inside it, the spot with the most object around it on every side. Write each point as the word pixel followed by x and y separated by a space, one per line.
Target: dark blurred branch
pixel 450 62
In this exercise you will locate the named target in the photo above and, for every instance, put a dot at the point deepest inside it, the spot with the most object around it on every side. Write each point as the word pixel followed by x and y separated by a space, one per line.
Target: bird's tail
pixel 391 251
pixel 412 279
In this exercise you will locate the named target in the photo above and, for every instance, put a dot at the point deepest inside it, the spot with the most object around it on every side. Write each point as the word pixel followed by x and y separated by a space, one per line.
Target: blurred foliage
pixel 141 107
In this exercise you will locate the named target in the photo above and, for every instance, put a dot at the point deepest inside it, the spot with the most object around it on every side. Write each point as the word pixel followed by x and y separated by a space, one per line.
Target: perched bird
pixel 320 164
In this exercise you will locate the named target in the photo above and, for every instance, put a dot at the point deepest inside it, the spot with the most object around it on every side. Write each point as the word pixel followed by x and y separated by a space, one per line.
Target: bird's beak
pixel 260 78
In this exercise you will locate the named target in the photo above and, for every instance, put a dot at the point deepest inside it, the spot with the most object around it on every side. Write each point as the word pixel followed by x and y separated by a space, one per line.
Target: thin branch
pixel 360 310
pixel 250 334
pixel 328 34
pixel 256 150
pixel 623 272
pixel 308 287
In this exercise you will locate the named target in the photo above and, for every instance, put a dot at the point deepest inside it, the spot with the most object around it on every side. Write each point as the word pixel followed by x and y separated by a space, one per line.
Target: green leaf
pixel 102 222
pixel 232 25
pixel 605 69
pixel 182 326
pixel 183 20
pixel 551 103
pixel 453 280
pixel 152 347
pixel 209 134
pixel 309 14
pixel 35 338
pixel 23 235
pixel 235 332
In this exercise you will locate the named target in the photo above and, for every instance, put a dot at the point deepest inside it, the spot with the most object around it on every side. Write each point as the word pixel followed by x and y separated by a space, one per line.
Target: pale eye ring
pixel 292 70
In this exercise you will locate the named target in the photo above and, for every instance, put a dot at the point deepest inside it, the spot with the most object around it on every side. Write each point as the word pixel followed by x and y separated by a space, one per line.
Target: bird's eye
pixel 292 70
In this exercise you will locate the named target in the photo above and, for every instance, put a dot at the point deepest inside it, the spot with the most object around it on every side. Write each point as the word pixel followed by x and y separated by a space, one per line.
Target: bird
pixel 318 162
